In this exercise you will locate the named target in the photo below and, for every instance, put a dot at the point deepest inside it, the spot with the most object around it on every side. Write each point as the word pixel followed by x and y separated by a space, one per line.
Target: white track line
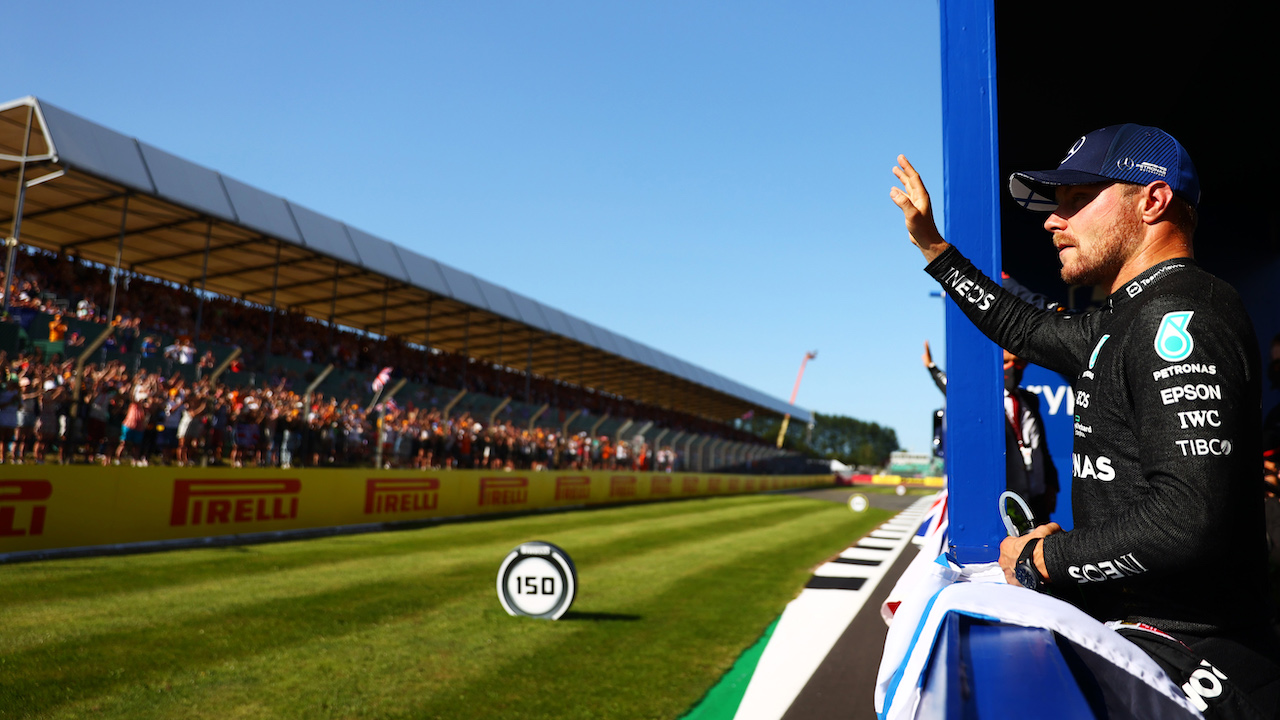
pixel 870 542
pixel 848 571
pixel 859 553
pixel 812 623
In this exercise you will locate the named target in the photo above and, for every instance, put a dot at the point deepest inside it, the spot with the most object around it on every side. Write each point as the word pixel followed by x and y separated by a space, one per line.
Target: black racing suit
pixel 1166 468
pixel 1166 493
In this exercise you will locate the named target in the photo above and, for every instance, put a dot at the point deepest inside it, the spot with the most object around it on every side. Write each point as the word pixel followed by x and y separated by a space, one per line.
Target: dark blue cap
pixel 1126 153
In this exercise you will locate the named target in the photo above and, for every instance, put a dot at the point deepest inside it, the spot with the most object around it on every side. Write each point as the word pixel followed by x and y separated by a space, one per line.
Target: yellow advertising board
pixel 50 507
pixel 913 481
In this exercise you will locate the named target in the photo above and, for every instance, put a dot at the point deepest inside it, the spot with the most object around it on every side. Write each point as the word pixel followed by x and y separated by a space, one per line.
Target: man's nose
pixel 1055 222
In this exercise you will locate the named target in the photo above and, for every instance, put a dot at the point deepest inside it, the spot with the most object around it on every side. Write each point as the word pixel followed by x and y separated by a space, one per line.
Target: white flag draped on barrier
pixel 933 587
pixel 934 527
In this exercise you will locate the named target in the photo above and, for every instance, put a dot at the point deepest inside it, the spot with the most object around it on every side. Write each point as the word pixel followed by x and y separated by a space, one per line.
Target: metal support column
pixel 82 358
pixel 333 306
pixel 599 422
pixel 382 329
pixel 226 363
pixel 204 282
pixel 702 453
pixel 501 406
pixel 661 435
pixel 11 242
pixel 426 335
pixel 466 349
pixel 712 463
pixel 445 412
pixel 115 271
pixel 655 446
pixel 676 438
pixel 617 436
pixel 533 421
pixel 306 395
pixel 271 323
pixel 386 295
pixel 564 427
pixel 528 376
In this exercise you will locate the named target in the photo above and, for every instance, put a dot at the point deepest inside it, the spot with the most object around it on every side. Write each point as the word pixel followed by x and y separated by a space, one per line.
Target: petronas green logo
pixel 1173 342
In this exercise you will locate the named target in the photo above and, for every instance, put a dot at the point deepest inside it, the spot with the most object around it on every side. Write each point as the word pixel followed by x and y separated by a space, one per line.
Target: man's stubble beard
pixel 1107 252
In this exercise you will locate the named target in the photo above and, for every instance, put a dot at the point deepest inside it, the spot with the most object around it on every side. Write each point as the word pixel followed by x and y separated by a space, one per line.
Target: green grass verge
pixel 722 701
pixel 408 625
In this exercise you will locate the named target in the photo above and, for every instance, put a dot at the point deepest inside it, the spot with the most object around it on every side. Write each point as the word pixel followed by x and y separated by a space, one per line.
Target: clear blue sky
pixel 710 178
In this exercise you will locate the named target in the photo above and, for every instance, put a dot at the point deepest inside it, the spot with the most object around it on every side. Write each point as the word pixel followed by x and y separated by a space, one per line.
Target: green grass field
pixel 408 625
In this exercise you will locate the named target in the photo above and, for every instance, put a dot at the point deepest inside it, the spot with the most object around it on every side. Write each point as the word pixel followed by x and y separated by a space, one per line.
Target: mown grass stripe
pixel 751 540
pixel 683 646
pixel 34 622
pixel 346 632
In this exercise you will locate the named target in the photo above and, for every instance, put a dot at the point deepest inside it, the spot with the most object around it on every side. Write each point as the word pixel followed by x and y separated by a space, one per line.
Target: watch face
pixel 1026 577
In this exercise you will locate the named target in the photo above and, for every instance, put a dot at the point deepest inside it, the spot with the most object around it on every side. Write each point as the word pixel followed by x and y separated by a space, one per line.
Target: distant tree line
pixel 833 437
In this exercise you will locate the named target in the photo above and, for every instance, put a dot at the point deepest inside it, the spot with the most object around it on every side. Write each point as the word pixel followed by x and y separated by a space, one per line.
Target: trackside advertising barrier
pixel 932 482
pixel 45 507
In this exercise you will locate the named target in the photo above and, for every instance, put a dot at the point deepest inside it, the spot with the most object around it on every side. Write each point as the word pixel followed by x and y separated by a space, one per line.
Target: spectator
pixel 1029 471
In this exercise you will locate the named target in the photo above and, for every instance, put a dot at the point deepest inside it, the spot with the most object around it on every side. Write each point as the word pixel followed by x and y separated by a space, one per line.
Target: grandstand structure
pixel 75 188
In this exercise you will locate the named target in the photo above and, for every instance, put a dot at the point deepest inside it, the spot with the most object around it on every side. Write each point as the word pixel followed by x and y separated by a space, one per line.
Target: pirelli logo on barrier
pixel 573 487
pixel 660 485
pixel 215 502
pixel 622 486
pixel 689 485
pixel 22 507
pixel 749 484
pixel 734 484
pixel 713 484
pixel 504 491
pixel 395 495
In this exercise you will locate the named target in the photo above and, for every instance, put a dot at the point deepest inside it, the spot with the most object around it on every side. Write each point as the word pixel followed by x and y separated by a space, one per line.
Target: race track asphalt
pixel 843 685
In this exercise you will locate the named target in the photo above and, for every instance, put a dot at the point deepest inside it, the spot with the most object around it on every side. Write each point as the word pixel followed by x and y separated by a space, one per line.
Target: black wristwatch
pixel 1025 571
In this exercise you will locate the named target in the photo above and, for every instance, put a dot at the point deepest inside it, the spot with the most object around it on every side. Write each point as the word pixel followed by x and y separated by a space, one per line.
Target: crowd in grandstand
pixel 124 414
pixel 118 416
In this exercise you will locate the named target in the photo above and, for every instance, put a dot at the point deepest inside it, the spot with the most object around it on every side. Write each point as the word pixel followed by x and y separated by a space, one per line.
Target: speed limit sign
pixel 537 579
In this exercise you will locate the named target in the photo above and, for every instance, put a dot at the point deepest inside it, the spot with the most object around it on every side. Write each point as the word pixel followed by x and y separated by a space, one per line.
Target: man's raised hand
pixel 913 200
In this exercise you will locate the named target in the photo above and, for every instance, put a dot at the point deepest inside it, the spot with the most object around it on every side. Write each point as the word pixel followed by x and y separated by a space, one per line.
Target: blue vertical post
pixel 975 423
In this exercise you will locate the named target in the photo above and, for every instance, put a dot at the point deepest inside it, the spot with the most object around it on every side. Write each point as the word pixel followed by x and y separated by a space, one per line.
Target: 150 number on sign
pixel 537 579
pixel 532 585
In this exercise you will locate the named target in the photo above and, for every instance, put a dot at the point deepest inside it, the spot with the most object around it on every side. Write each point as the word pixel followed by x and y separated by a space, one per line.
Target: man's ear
pixel 1156 202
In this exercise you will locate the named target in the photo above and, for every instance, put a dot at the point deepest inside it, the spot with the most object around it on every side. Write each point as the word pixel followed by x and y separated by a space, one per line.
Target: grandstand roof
pixel 89 185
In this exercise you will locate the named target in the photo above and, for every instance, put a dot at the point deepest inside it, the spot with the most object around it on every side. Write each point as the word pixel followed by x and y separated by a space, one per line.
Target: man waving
pixel 1168 543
